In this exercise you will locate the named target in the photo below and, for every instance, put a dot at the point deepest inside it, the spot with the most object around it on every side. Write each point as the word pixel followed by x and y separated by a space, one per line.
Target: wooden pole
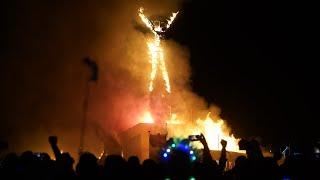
pixel 84 117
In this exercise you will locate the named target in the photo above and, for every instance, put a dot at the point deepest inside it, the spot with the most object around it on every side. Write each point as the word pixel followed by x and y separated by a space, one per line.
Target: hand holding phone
pixel 194 137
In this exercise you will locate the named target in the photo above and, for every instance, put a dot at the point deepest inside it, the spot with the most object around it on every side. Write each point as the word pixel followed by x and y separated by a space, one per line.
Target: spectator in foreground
pixel 30 165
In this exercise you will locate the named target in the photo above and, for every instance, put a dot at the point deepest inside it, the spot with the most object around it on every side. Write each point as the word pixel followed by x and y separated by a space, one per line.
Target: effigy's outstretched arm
pixel 145 20
pixel 171 19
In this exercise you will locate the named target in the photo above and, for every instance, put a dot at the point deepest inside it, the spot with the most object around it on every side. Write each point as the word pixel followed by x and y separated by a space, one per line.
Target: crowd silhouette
pixel 253 165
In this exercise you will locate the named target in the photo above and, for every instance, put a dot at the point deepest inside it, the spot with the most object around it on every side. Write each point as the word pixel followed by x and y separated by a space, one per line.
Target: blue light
pixel 186 147
pixel 168 150
pixel 165 155
pixel 191 152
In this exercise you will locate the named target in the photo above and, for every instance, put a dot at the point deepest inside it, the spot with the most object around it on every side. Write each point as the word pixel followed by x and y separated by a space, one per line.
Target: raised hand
pixel 202 139
pixel 53 140
pixel 223 143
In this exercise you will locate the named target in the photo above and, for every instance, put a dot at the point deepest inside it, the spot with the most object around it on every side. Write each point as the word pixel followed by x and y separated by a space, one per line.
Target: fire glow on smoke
pixel 213 128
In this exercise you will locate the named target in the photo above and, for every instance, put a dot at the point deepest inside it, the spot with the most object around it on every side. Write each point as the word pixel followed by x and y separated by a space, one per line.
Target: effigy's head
pixel 159 26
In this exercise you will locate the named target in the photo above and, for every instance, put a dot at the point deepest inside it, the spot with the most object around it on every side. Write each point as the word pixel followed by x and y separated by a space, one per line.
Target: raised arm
pixel 207 158
pixel 223 155
pixel 53 140
pixel 171 19
pixel 145 20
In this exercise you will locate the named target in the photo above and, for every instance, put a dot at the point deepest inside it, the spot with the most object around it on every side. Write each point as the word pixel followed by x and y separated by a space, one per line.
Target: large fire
pixel 146 117
pixel 156 51
pixel 214 129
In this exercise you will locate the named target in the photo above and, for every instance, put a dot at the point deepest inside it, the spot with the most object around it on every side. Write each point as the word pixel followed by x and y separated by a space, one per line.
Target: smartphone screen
pixel 194 137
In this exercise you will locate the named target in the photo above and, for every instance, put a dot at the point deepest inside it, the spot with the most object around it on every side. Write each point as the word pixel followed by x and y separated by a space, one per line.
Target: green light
pixel 173 145
pixel 192 178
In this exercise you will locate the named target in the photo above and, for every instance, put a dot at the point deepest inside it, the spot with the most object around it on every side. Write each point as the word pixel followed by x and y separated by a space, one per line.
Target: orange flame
pixel 145 20
pixel 171 19
pixel 156 51
pixel 146 118
pixel 213 130
pixel 216 130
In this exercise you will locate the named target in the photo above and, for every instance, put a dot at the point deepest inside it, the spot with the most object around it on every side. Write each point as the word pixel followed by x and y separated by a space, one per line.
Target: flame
pixel 213 129
pixel 101 154
pixel 146 118
pixel 156 51
pixel 171 19
pixel 145 20
pixel 216 130
pixel 157 61
pixel 174 119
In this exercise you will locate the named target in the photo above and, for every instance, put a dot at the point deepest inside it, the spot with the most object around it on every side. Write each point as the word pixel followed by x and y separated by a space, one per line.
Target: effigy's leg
pixel 154 65
pixel 163 68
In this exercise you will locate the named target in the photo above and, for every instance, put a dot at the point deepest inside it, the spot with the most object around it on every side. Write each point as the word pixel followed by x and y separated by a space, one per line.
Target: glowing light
pixel 173 145
pixel 171 19
pixel 168 150
pixel 193 158
pixel 157 60
pixel 101 154
pixel 144 19
pixel 214 131
pixel 165 155
pixel 174 119
pixel 147 118
pixel 156 51
pixel 191 152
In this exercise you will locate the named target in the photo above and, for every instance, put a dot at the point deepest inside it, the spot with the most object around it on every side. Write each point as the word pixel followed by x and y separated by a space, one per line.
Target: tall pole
pixel 94 76
pixel 84 116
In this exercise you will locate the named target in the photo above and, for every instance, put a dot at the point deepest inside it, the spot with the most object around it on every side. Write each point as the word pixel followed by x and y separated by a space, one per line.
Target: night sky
pixel 255 60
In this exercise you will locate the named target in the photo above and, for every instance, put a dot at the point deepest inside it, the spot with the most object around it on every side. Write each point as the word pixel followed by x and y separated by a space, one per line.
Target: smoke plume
pixel 44 78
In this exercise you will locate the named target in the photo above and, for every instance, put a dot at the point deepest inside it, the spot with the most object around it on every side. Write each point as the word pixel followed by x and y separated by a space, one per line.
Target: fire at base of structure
pixel 213 130
pixel 156 51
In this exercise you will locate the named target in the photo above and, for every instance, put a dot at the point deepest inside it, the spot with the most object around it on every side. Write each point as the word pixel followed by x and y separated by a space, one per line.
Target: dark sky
pixel 257 61
pixel 253 59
